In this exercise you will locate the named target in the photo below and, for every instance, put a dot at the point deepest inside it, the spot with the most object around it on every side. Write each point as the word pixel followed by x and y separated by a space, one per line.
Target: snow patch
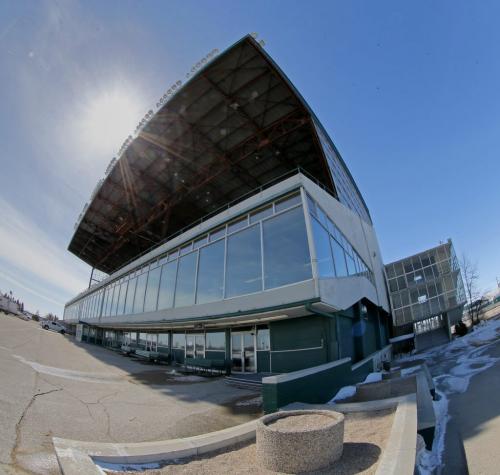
pixel 373 378
pixel 456 362
pixel 119 467
pixel 343 393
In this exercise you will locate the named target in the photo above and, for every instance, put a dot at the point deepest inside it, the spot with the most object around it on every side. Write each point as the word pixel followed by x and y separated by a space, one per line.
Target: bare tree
pixel 472 293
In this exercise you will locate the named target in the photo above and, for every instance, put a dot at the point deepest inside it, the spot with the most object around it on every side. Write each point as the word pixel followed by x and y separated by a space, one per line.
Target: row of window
pixel 441 270
pixel 347 192
pixel 427 307
pixel 334 253
pixel 265 249
pixel 420 261
pixel 204 341
pixel 423 292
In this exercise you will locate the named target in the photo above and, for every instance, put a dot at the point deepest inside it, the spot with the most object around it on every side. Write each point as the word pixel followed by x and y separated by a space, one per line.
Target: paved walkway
pixel 467 377
pixel 52 387
pixel 475 416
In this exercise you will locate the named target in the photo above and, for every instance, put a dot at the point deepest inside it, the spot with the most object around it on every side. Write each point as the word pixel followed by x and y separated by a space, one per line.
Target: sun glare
pixel 109 118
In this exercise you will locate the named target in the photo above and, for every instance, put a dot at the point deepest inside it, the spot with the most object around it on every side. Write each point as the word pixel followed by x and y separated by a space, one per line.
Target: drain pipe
pixel 310 308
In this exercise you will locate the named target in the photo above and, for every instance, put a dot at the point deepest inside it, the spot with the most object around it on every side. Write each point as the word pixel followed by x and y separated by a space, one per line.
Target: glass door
pixel 243 352
pixel 195 345
pixel 199 346
pixel 151 342
pixel 236 352
pixel 189 346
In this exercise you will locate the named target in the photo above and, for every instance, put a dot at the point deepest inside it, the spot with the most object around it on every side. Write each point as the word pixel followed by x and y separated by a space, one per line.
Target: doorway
pixel 195 345
pixel 243 352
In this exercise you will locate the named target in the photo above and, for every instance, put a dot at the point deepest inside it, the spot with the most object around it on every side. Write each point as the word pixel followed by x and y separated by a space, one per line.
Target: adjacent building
pixel 427 296
pixel 231 228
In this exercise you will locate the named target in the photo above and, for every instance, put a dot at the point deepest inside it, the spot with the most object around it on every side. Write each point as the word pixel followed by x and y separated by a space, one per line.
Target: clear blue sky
pixel 409 92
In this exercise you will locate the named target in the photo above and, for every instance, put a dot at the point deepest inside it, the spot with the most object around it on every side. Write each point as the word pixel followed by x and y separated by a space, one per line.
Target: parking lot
pixel 52 386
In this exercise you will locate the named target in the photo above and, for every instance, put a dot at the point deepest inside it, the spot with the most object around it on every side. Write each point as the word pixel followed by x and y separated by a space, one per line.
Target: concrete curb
pixel 77 457
pixel 398 457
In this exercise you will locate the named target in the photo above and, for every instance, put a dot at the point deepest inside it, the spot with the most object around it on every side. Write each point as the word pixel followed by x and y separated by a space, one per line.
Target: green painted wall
pixel 263 361
pixel 317 388
pixel 346 337
pixel 294 334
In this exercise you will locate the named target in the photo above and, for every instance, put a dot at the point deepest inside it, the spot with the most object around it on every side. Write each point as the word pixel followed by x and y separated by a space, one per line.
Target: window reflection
pixel 286 251
pixel 243 270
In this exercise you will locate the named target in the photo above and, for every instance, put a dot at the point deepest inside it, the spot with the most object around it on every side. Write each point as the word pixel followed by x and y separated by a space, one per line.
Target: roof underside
pixel 234 127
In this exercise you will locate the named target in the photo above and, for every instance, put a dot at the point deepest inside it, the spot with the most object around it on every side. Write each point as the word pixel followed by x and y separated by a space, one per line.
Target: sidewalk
pixel 476 415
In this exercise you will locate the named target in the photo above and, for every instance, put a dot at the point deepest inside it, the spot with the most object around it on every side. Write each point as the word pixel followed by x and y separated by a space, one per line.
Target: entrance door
pixel 151 342
pixel 243 352
pixel 195 345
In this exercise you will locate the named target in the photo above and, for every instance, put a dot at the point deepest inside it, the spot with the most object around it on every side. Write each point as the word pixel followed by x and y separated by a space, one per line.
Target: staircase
pixel 246 381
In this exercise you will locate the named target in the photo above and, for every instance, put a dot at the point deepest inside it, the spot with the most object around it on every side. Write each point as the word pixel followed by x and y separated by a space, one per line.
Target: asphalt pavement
pixel 52 386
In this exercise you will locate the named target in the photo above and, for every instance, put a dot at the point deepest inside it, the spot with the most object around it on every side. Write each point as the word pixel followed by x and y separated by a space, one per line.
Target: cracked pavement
pixel 51 386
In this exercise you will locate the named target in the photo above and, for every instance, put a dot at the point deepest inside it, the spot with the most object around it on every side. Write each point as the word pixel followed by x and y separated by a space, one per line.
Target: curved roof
pixel 234 127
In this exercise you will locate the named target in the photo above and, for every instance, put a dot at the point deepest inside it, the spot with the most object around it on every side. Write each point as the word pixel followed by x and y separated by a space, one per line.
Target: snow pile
pixel 373 378
pixel 456 363
pixel 343 393
pixel 348 391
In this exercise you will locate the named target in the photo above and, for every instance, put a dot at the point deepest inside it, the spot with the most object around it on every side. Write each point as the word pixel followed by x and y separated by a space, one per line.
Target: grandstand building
pixel 231 229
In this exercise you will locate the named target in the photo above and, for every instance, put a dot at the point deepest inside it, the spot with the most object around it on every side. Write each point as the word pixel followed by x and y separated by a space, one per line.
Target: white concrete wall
pixel 339 292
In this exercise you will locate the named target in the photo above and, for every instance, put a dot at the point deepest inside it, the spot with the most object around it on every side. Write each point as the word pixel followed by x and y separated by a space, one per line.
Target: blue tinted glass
pixel 286 251
pixel 152 290
pixel 139 293
pixel 211 273
pixel 244 271
pixel 129 303
pixel 323 252
pixel 184 290
pixel 167 285
pixel 339 257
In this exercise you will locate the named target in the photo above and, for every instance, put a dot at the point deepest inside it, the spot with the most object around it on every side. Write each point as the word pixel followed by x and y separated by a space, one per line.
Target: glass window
pixel 323 218
pixel 350 265
pixel 286 251
pixel 323 252
pixel 142 340
pixel 121 300
pixel 217 234
pixel 178 341
pixel 243 268
pixel 139 293
pixel 184 290
pixel 261 214
pixel 216 341
pixel 287 202
pixel 185 249
pixel 200 242
pixel 401 283
pixel 263 341
pixel 236 225
pixel 167 285
pixel 311 205
pixel 152 290
pixel 129 303
pixel 211 273
pixel 163 339
pixel 339 258
pixel 106 298
pixel 173 255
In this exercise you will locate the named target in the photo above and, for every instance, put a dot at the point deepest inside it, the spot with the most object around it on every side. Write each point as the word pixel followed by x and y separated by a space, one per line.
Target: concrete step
pixel 242 382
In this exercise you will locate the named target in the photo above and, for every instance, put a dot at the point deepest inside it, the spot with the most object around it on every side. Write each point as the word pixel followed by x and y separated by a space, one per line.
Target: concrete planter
pixel 310 443
pixel 391 374
pixel 373 391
